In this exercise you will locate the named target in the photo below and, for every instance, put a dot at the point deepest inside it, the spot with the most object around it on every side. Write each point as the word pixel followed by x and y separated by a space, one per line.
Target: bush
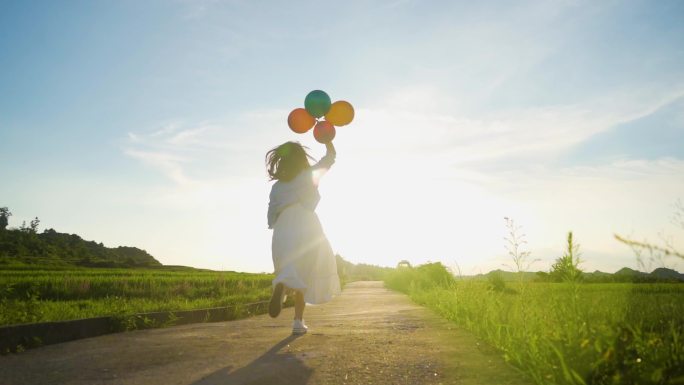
pixel 496 281
pixel 423 277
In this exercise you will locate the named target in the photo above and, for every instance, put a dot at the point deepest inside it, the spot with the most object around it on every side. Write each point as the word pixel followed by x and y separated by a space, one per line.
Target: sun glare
pixel 372 216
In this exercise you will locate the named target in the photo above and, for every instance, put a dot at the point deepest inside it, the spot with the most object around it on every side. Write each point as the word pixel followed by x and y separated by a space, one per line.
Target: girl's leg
pixel 275 305
pixel 299 304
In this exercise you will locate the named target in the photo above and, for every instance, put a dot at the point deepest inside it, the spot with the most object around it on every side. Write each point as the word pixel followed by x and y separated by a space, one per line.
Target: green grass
pixel 51 295
pixel 563 333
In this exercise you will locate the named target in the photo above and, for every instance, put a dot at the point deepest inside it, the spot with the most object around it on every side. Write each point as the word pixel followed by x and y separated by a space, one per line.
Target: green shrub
pixel 496 281
pixel 423 277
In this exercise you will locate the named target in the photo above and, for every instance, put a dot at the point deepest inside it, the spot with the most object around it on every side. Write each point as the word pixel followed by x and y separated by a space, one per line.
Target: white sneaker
pixel 298 327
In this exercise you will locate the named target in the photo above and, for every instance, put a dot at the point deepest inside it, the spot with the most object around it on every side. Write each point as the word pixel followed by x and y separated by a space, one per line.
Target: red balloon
pixel 300 121
pixel 324 132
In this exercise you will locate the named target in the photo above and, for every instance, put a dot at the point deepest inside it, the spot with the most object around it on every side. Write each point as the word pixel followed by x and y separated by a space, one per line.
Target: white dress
pixel 302 256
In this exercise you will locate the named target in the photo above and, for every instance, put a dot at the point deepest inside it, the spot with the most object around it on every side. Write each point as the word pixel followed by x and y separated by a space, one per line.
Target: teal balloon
pixel 317 103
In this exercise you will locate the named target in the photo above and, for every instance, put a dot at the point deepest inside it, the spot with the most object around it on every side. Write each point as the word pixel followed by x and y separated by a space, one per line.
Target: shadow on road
pixel 270 368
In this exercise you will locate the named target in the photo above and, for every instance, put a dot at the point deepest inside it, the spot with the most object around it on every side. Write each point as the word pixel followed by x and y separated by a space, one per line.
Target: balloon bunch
pixel 316 106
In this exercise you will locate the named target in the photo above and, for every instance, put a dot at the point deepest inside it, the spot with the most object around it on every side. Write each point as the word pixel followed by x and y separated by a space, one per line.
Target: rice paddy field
pixel 28 296
pixel 564 333
pixel 556 333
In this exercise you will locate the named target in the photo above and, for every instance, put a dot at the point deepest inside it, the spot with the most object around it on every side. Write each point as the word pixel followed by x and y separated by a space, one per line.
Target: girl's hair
pixel 286 161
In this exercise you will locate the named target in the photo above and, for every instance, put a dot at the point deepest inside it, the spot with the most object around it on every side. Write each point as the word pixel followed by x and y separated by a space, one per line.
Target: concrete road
pixel 368 335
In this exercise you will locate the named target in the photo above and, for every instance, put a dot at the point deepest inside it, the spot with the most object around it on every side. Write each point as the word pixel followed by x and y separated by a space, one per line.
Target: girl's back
pixel 302 189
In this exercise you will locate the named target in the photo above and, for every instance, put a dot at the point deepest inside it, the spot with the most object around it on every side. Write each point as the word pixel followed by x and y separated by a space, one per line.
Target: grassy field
pixel 51 295
pixel 564 333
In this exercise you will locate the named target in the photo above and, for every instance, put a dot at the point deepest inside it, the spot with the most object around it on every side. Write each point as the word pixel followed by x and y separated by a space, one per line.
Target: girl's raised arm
pixel 329 159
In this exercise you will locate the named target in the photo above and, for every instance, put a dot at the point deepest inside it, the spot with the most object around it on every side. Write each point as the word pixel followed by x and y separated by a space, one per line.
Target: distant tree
pixel 566 268
pixel 404 263
pixel 33 227
pixel 542 276
pixel 4 217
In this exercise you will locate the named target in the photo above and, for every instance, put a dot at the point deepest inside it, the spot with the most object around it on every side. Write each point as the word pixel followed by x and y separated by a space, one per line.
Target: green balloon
pixel 317 103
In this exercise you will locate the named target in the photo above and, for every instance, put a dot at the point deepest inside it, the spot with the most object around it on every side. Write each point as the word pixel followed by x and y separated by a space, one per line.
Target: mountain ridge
pixel 625 274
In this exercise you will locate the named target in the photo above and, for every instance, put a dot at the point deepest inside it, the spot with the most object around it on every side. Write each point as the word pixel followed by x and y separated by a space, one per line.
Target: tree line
pixel 26 246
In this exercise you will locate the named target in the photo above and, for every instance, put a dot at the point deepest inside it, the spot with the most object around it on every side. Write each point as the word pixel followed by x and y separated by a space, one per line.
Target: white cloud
pixel 169 164
pixel 414 131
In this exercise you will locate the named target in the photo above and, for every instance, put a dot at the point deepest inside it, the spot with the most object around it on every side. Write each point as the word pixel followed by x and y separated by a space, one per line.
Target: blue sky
pixel 145 124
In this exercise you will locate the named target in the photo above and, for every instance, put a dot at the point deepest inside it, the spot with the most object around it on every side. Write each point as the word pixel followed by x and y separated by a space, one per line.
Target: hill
pixel 508 276
pixel 625 274
pixel 661 274
pixel 666 273
pixel 51 248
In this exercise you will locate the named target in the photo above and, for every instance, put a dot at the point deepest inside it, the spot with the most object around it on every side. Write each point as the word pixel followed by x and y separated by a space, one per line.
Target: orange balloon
pixel 341 113
pixel 300 121
pixel 324 132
